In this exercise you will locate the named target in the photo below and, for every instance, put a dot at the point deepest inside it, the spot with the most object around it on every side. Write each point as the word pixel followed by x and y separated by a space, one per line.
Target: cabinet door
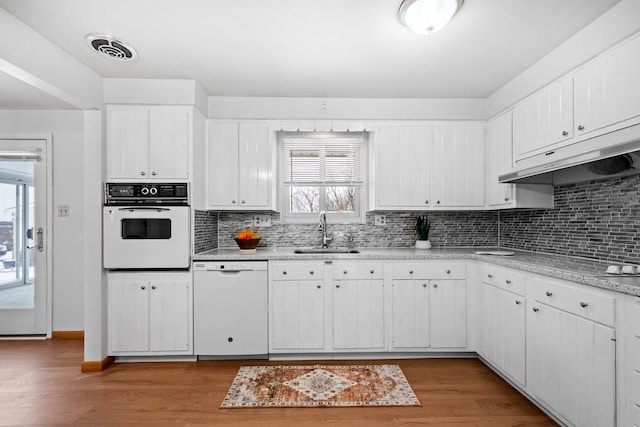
pixel 222 164
pixel 448 313
pixel 402 163
pixel 410 315
pixel 169 150
pixel 512 357
pixel 254 165
pixel 358 314
pixel 170 317
pixel 498 160
pixel 571 365
pixel 128 311
pixel 607 91
pixel 457 166
pixel 297 316
pixel 128 143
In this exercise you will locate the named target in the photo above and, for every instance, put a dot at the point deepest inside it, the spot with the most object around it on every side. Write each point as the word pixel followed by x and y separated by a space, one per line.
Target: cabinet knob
pixel 410 271
pixel 508 282
pixel 426 202
pixel 536 309
pixel 318 286
pixel 311 272
pixel 153 287
pixel 548 293
pixel 506 199
pixel 243 202
pixel 154 173
pixel 142 173
pixel 424 285
pixel 518 302
pixel 284 273
pixel 344 271
pixel 583 304
pixel 438 202
pixel 230 339
pixel 448 271
pixel 372 271
pixel 565 133
pixel 580 127
pixel 489 275
pixel 338 286
pixel 143 287
pixel 233 201
pixel 435 285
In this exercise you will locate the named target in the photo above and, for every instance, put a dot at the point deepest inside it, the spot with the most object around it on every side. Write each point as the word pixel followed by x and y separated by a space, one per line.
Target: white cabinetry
pixel 571 351
pixel 425 165
pixel 543 120
pixel 240 166
pixel 501 325
pixel 498 143
pixel 428 306
pixel 607 90
pixel 149 143
pixel 297 307
pixel 150 314
pixel 632 372
pixel 358 306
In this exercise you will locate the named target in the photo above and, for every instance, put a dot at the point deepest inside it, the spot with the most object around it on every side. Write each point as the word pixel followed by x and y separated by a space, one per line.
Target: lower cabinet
pixel 150 314
pixel 632 372
pixel 571 352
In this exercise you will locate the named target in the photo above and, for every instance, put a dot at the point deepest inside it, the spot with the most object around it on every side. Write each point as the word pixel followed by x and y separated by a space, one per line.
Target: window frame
pixel 360 201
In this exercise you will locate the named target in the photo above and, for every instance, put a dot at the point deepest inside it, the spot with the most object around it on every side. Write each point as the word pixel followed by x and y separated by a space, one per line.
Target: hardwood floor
pixel 41 384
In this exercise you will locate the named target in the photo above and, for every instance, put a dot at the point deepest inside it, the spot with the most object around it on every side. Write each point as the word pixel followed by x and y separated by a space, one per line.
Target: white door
pixel 358 314
pixel 23 237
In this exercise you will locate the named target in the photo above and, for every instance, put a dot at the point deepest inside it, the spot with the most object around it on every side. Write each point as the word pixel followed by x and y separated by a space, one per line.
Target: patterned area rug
pixel 319 385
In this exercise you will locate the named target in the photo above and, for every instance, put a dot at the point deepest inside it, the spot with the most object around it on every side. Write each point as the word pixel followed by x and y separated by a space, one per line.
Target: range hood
pixel 620 157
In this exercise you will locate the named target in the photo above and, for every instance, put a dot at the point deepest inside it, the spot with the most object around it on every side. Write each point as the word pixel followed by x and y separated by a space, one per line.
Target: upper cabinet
pixel 421 166
pixel 149 143
pixel 607 91
pixel 498 141
pixel 240 166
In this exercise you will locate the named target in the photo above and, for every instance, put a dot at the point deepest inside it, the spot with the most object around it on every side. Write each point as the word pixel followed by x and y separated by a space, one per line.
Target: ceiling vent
pixel 111 47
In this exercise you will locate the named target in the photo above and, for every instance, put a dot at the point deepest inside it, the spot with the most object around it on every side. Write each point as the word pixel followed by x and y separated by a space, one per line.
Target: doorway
pixel 24 293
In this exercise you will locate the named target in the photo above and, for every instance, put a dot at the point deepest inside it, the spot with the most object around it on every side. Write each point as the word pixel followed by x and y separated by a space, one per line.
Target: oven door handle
pixel 144 209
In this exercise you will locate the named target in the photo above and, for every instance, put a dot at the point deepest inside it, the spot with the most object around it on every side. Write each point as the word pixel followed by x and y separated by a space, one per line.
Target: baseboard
pixel 67 335
pixel 97 365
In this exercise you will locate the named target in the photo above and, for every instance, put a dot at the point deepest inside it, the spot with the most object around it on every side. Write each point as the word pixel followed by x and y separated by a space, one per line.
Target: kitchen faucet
pixel 326 237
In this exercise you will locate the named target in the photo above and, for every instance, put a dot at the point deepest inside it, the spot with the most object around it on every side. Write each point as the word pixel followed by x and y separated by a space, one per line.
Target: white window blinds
pixel 322 162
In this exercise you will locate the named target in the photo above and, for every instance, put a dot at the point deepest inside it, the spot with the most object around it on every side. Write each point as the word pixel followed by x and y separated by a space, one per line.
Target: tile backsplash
pixel 594 219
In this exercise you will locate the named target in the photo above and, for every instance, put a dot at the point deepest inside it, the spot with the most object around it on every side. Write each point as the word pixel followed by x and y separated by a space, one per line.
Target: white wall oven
pixel 146 226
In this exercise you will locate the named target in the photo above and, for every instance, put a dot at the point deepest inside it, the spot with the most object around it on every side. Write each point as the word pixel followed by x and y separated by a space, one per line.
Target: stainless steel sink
pixel 326 251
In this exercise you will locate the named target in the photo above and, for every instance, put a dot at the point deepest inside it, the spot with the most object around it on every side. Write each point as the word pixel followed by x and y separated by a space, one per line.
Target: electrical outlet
pixel 262 220
pixel 63 210
pixel 380 220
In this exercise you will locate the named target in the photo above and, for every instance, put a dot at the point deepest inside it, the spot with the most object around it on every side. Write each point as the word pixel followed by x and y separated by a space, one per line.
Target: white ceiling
pixel 17 94
pixel 314 48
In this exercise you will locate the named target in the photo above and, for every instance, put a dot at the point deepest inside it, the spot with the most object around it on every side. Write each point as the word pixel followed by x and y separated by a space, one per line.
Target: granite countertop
pixel 579 270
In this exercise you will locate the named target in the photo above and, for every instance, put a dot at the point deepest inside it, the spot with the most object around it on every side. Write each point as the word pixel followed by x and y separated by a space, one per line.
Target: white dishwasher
pixel 230 308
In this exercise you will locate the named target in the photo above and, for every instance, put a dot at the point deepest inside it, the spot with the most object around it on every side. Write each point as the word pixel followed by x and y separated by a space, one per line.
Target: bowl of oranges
pixel 247 240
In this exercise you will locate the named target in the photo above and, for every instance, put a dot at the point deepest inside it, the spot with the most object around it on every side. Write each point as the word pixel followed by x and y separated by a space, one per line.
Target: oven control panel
pixel 146 194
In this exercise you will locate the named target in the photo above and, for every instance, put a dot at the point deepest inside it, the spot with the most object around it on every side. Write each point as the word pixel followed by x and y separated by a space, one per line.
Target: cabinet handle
pixel 318 286
pixel 338 286
pixel 536 309
pixel 372 271
pixel 584 304
pixel 284 273
pixel 438 202
pixel 424 285
pixel 311 272
pixel 426 202
pixel 506 199
pixel 489 276
pixel 230 339
pixel 344 271
pixel 448 271
pixel 580 127
pixel 142 173
pixel 233 201
pixel 508 282
pixel 435 285
pixel 143 287
pixel 410 271
pixel 549 153
pixel 518 302
pixel 565 133
pixel 548 293
pixel 243 202
pixel 153 287
pixel 154 173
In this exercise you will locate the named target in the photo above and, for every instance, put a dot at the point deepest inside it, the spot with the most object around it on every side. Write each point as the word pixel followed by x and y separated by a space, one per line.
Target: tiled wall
pixel 595 219
pixel 448 229
pixel 206 231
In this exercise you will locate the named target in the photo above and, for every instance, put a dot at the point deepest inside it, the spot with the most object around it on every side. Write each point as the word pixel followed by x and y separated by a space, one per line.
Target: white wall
pixel 227 107
pixel 68 250
pixel 620 22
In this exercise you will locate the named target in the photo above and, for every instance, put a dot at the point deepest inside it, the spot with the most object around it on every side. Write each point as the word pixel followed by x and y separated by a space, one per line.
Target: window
pixel 322 172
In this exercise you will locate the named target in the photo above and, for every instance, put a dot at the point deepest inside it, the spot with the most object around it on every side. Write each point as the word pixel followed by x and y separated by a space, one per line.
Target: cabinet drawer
pixel 352 270
pixel 590 305
pixel 428 270
pixel 505 278
pixel 296 270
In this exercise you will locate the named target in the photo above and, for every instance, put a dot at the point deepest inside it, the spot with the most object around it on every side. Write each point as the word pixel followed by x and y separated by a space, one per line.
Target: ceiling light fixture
pixel 428 16
pixel 111 47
